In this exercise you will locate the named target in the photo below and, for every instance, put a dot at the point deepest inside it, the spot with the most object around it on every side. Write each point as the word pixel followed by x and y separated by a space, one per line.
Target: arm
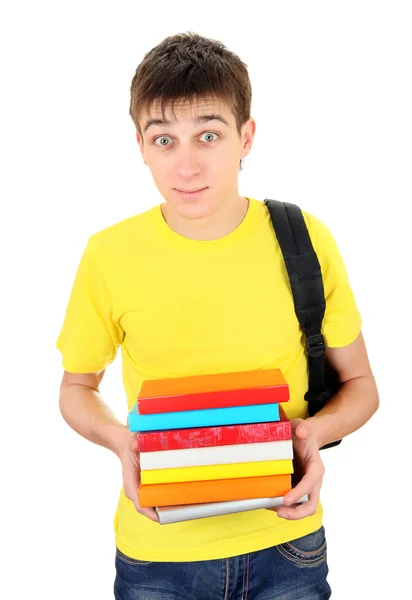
pixel 354 404
pixel 356 401
pixel 84 410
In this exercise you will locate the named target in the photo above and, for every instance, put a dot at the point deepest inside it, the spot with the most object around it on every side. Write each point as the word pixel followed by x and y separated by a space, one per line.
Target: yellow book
pixel 209 472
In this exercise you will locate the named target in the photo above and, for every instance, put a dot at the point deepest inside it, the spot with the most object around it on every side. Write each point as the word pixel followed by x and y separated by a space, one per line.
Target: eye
pixel 210 136
pixel 162 140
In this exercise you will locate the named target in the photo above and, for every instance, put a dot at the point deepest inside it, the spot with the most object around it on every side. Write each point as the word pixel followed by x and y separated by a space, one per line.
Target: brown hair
pixel 187 66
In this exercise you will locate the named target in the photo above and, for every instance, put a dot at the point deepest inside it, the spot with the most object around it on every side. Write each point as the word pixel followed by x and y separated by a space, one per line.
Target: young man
pixel 198 285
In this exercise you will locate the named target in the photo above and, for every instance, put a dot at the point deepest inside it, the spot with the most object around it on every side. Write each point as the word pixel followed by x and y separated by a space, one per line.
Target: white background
pixel 332 99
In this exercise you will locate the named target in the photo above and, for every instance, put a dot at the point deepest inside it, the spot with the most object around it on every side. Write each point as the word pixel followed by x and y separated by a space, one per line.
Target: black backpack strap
pixel 306 282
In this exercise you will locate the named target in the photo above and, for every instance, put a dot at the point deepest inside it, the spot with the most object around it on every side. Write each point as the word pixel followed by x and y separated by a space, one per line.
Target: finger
pixel 297 492
pixel 302 431
pixel 131 469
pixel 311 479
pixel 305 486
pixel 279 506
pixel 148 512
pixel 299 511
pixel 131 488
pixel 133 444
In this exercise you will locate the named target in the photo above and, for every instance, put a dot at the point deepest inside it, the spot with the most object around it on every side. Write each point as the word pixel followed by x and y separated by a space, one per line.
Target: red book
pixel 224 435
pixel 212 391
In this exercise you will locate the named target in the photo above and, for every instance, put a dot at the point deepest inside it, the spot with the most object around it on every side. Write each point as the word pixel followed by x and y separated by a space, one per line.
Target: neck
pixel 216 225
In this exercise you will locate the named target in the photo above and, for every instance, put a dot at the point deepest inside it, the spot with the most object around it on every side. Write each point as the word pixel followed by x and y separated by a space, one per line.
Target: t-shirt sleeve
pixel 342 321
pixel 89 338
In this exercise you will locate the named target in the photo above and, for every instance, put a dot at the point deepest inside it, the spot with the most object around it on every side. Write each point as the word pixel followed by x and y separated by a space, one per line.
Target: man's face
pixel 197 148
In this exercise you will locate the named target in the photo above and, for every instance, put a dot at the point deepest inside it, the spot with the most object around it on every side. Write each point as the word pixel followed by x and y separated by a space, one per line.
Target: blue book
pixel 210 417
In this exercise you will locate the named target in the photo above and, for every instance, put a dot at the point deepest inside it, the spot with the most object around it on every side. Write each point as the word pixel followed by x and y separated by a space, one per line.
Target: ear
pixel 248 134
pixel 141 145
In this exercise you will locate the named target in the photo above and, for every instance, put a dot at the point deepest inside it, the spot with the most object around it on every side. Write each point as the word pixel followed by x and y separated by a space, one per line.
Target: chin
pixel 189 209
pixel 192 210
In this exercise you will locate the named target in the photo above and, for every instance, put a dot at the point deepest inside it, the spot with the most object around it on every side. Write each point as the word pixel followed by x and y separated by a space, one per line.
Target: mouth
pixel 190 193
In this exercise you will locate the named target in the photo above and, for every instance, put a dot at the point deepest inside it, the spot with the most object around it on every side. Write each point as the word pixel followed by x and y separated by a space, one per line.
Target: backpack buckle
pixel 315 345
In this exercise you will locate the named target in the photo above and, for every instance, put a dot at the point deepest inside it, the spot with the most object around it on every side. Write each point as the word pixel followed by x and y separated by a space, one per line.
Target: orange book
pixel 212 391
pixel 194 492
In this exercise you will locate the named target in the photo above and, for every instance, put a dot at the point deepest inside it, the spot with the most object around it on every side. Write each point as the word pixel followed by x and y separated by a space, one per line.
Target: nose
pixel 188 164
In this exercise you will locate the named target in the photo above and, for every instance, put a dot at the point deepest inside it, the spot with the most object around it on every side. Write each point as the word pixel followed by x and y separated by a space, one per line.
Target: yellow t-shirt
pixel 180 307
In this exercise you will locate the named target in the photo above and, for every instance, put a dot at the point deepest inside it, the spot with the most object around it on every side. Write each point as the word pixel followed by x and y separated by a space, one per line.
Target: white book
pixel 216 455
pixel 188 512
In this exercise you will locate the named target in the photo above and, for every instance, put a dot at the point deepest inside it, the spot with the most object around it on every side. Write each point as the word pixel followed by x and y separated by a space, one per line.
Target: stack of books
pixel 213 444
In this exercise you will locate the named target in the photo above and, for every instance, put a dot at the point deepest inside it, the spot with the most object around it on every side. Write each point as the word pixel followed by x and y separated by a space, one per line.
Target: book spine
pixel 203 418
pixel 218 399
pixel 217 455
pixel 212 382
pixel 175 514
pixel 219 490
pixel 203 437
pixel 209 472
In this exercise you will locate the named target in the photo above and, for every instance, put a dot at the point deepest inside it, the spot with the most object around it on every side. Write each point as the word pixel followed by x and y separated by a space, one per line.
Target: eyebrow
pixel 197 121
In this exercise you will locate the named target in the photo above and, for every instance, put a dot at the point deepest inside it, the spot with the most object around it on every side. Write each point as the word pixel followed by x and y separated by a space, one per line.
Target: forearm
pixel 85 412
pixel 354 404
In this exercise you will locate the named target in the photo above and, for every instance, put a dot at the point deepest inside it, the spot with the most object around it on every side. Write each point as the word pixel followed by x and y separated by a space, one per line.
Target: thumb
pixel 133 443
pixel 302 429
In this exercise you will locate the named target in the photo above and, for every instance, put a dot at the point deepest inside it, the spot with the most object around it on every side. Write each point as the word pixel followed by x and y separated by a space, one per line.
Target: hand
pixel 129 457
pixel 308 473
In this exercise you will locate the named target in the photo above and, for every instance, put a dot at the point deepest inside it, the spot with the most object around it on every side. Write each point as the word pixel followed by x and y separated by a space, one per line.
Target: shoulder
pixel 322 238
pixel 122 236
pixel 123 229
pixel 315 225
pixel 327 250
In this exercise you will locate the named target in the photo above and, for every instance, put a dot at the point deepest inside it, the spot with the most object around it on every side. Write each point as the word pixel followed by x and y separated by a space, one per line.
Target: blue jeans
pixel 293 571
